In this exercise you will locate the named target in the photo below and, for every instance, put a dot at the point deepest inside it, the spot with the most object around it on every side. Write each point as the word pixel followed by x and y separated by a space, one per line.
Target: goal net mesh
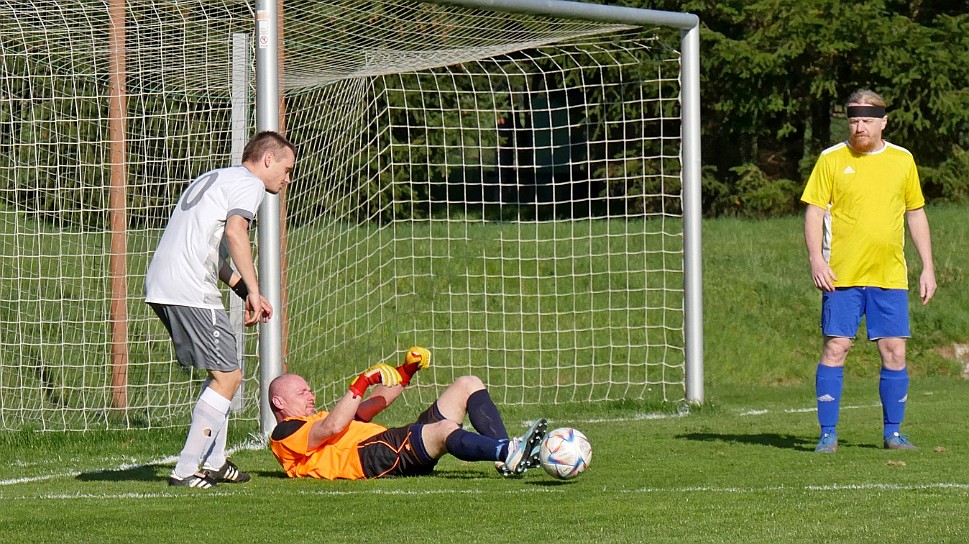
pixel 501 188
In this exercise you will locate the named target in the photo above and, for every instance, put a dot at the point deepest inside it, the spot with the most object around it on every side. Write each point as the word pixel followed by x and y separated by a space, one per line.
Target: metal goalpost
pixel 267 66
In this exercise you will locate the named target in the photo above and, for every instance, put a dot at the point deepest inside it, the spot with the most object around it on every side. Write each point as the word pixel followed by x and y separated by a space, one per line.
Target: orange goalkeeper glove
pixel 378 373
pixel 415 359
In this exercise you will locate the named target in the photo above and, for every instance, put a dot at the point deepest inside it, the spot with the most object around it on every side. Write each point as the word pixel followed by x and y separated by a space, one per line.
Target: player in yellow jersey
pixel 859 197
pixel 344 444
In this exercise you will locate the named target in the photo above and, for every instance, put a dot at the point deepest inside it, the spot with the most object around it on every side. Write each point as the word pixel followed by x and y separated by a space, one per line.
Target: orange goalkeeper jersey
pixel 335 458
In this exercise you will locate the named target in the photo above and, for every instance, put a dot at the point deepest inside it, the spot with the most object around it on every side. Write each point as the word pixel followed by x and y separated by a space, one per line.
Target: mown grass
pixel 730 472
pixel 740 468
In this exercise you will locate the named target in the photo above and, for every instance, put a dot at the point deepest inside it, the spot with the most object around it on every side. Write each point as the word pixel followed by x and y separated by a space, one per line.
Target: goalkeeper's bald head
pixel 291 396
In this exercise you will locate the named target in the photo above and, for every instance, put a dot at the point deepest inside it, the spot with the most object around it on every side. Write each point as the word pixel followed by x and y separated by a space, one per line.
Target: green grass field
pixel 738 469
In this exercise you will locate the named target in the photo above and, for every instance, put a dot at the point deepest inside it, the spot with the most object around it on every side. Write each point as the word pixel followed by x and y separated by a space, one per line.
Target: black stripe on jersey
pixel 286 429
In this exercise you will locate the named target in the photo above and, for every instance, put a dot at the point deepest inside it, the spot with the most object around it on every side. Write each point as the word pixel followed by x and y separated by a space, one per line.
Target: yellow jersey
pixel 867 195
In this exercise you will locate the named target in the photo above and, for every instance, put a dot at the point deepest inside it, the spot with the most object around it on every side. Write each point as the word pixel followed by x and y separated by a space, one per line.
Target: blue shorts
pixel 885 311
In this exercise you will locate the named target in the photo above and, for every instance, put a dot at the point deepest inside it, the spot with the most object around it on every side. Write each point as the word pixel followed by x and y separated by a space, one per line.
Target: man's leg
pixel 828 384
pixel 888 324
pixel 446 436
pixel 893 390
pixel 468 395
pixel 841 312
pixel 453 403
pixel 209 418
pixel 484 415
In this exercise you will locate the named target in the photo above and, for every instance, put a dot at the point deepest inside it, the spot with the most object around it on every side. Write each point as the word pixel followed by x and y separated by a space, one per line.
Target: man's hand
pixel 378 373
pixel 927 286
pixel 416 358
pixel 258 309
pixel 822 274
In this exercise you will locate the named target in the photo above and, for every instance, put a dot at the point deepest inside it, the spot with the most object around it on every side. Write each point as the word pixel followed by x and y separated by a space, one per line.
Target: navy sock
pixel 828 384
pixel 468 446
pixel 893 389
pixel 484 415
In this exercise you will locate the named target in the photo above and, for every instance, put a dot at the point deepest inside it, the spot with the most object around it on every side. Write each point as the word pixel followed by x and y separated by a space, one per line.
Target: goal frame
pixel 268 51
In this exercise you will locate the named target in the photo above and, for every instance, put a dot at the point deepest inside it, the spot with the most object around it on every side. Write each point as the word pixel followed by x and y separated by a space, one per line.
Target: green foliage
pixel 759 196
pixel 775 73
pixel 949 181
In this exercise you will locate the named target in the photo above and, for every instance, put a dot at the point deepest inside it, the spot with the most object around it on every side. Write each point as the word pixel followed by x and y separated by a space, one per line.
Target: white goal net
pixel 502 188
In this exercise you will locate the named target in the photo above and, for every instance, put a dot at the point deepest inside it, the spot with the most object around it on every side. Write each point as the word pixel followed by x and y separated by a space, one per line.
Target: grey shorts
pixel 203 337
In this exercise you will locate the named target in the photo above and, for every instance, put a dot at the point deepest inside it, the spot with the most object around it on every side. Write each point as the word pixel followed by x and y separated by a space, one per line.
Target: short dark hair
pixel 264 142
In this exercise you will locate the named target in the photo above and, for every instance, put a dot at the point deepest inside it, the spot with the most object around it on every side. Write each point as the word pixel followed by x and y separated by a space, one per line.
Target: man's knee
pixel 469 383
pixel 225 383
pixel 434 436
pixel 835 351
pixel 892 351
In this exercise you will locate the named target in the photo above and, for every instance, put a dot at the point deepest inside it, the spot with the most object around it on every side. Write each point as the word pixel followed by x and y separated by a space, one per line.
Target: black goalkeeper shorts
pixel 399 451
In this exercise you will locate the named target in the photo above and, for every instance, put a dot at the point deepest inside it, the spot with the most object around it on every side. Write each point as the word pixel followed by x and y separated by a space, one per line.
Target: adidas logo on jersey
pixel 849 170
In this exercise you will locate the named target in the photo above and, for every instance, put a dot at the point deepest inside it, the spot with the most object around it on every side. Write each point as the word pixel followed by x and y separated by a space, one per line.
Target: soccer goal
pixel 511 184
pixel 505 183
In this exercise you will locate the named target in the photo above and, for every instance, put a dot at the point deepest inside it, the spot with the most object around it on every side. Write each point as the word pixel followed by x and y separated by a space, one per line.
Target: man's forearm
pixel 918 227
pixel 240 249
pixel 814 232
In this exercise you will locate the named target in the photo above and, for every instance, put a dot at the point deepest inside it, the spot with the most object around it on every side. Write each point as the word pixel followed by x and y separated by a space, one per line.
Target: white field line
pixel 254 443
pixel 634 417
pixel 753 412
pixel 518 490
pixel 811 488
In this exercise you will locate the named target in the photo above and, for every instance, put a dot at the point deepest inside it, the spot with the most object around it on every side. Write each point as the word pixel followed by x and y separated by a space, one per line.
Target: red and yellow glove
pixel 415 359
pixel 378 373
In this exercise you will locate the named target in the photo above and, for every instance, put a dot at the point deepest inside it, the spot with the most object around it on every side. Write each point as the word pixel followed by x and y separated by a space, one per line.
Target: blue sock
pixel 468 446
pixel 893 389
pixel 484 415
pixel 827 384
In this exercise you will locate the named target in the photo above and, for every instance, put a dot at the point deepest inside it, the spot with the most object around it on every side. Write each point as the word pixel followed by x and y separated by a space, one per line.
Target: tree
pixel 775 74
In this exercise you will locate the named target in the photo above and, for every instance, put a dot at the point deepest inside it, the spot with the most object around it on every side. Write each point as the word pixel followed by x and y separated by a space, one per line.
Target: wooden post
pixel 117 114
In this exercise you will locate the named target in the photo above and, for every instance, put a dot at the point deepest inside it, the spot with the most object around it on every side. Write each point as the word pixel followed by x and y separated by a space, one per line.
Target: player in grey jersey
pixel 210 223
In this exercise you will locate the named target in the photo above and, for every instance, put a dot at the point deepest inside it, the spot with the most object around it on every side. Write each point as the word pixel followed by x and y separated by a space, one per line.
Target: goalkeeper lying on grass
pixel 342 443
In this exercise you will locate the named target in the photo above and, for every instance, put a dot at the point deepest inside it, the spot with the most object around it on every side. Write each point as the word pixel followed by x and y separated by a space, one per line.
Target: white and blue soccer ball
pixel 565 453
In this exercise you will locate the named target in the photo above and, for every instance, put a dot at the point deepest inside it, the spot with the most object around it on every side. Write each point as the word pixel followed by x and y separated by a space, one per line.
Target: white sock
pixel 215 458
pixel 208 418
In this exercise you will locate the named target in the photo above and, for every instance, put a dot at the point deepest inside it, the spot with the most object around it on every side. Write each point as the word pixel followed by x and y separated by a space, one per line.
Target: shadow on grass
pixel 278 474
pixel 461 475
pixel 773 440
pixel 144 473
pixel 149 473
